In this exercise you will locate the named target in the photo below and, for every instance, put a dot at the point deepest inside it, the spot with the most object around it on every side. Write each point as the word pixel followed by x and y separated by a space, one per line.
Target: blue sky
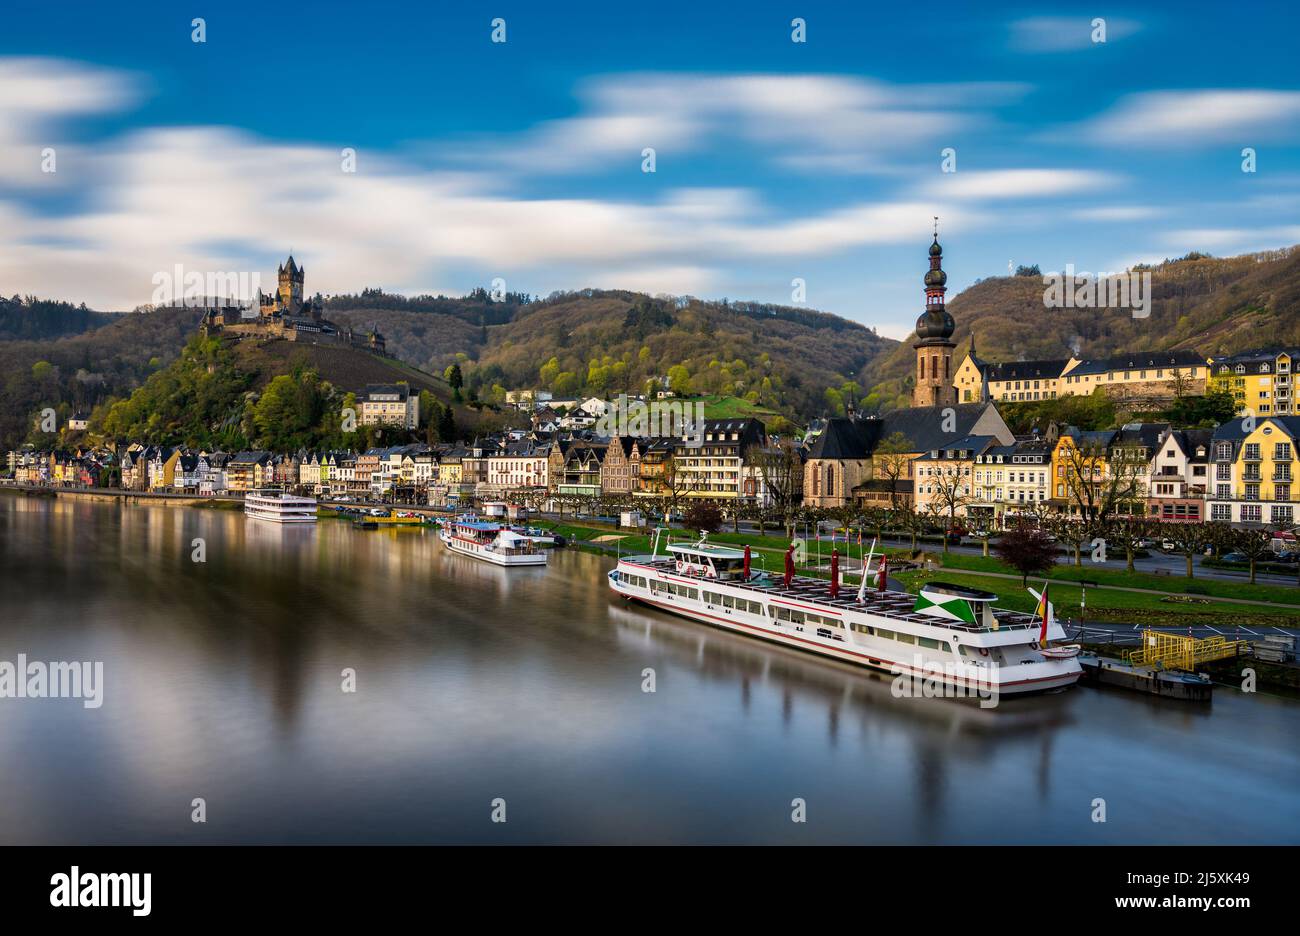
pixel 522 160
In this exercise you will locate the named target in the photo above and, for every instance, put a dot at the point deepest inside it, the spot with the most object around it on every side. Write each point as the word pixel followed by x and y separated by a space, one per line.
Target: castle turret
pixel 290 290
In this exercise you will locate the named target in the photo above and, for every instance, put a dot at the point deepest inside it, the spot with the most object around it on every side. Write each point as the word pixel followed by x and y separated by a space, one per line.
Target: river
pixel 518 693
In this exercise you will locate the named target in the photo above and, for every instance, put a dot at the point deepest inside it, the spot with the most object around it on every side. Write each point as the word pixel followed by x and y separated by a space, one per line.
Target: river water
pixel 223 680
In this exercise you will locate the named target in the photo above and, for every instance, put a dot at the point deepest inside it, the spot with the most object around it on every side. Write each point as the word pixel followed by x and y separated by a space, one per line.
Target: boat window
pixel 905 638
pixel 728 601
pixel 929 644
pixel 887 634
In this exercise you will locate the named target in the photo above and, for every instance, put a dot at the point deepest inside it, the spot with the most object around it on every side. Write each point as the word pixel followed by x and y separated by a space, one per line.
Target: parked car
pixel 1235 557
pixel 1168 545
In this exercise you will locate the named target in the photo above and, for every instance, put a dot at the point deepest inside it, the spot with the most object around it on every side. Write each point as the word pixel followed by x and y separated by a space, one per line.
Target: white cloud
pixel 1018 183
pixel 167 196
pixel 1065 33
pixel 1232 240
pixel 806 122
pixel 1115 213
pixel 1164 118
pixel 36 96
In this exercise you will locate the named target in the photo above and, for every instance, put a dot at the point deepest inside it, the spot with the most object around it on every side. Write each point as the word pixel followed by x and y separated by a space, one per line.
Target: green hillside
pixel 1209 304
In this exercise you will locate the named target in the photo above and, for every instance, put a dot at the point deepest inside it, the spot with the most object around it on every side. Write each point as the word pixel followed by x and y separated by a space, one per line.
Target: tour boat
pixel 279 507
pixel 491 542
pixel 949 634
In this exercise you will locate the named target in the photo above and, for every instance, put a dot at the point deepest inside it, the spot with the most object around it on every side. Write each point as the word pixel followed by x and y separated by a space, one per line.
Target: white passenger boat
pixel 277 506
pixel 491 542
pixel 950 634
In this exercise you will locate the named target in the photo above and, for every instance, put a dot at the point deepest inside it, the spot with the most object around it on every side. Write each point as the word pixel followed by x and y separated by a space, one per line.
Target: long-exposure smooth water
pixel 223 681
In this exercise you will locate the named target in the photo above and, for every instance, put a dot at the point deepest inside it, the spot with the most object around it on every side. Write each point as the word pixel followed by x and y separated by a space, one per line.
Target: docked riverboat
pixel 279 507
pixel 950 634
pixel 490 542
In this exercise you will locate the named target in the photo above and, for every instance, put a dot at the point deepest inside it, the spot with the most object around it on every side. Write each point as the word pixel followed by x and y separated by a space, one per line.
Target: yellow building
pixel 1254 471
pixel 1261 382
pixel 977 381
pixel 1141 376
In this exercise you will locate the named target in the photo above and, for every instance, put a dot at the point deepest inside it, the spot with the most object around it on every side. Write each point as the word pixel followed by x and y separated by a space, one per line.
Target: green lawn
pixel 1133 607
pixel 730 407
pixel 1067 571
pixel 1153 609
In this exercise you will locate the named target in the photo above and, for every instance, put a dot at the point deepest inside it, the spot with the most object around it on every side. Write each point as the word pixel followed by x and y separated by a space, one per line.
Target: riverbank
pixel 1116 597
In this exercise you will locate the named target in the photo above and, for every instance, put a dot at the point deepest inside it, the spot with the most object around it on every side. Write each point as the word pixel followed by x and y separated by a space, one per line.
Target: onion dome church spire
pixel 934 345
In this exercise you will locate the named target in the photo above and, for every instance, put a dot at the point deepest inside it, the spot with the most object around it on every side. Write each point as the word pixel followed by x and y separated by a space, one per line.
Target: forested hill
pixel 1209 304
pixel 26 317
pixel 610 341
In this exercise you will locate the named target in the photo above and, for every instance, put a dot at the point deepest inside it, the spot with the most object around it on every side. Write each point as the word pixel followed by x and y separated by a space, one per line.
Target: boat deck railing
pixel 891 604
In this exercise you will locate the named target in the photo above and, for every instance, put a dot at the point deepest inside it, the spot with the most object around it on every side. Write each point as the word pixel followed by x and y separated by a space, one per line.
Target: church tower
pixel 934 345
pixel 290 291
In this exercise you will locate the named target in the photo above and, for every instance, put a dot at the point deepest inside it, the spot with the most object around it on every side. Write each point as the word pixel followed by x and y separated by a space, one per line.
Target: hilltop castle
pixel 286 314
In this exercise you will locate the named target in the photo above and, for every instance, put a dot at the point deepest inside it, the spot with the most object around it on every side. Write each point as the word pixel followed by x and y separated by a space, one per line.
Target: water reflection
pixel 223 679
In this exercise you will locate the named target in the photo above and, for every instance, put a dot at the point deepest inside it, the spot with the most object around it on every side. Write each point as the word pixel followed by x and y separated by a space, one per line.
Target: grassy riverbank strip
pixel 1135 598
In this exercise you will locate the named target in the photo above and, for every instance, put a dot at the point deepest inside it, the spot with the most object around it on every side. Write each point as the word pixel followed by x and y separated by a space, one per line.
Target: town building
pixel 870 460
pixel 715 468
pixel 1178 480
pixel 389 404
pixel 1255 464
pixel 1142 377
pixel 1262 383
pixel 1012 482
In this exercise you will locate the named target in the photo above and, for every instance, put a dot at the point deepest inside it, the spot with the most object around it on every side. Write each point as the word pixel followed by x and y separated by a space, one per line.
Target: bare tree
pixel 1254 543
pixel 890 463
pixel 1190 539
pixel 1126 533
pixel 1101 484
pixel 780 467
pixel 948 494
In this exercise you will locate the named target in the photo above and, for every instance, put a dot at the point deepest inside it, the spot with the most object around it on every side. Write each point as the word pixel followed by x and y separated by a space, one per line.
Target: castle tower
pixel 290 291
pixel 934 345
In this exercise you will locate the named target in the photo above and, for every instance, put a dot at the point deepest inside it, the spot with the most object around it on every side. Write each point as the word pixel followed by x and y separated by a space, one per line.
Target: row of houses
pixel 713 463
pixel 964 462
pixel 960 461
pixel 1261 382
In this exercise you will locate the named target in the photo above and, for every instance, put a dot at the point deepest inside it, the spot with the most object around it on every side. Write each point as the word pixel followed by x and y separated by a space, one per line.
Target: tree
pixel 1190 539
pixel 948 493
pixel 1071 531
pixel 703 515
pixel 454 379
pixel 780 468
pixel 679 379
pixel 911 520
pixel 548 372
pixel 1255 543
pixel 890 463
pixel 447 425
pixel 1026 549
pixel 1101 483
pixel 1126 533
